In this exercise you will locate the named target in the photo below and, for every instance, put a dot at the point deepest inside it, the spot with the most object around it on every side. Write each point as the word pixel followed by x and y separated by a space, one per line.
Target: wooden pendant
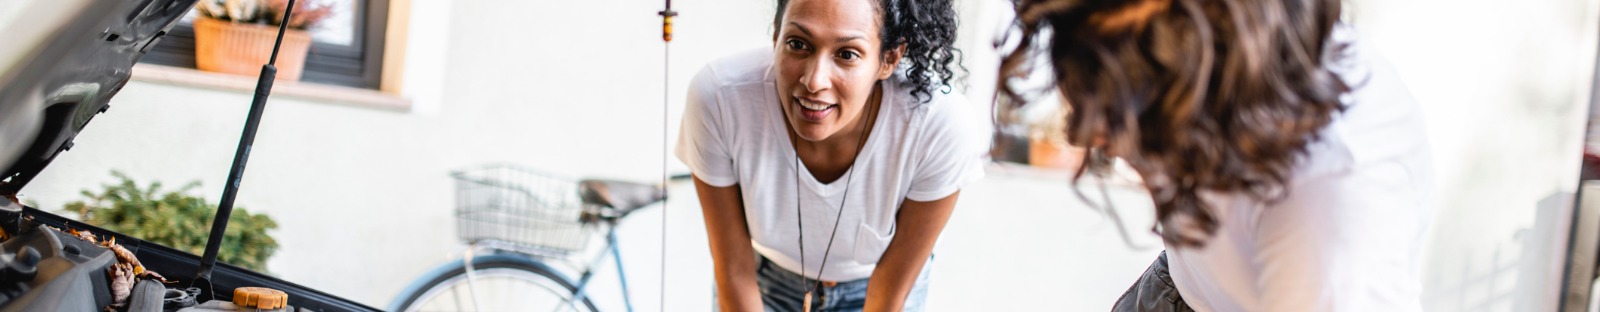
pixel 807 303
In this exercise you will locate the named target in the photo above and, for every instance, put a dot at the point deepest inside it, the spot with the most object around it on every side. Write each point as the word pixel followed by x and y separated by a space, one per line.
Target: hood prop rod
pixel 219 225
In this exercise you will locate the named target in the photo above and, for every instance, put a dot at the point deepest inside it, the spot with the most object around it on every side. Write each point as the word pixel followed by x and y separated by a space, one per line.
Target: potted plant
pixel 1047 143
pixel 236 36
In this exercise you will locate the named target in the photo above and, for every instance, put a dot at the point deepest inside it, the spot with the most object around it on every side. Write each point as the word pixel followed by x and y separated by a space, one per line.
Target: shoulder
pixel 1381 127
pixel 946 111
pixel 731 87
pixel 742 68
pixel 946 120
pixel 945 108
pixel 949 139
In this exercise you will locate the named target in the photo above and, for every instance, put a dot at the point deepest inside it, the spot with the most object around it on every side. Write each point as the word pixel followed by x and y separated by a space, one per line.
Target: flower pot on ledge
pixel 239 48
pixel 1054 154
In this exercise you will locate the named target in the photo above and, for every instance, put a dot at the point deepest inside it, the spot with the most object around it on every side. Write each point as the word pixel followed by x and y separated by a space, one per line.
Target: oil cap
pixel 260 298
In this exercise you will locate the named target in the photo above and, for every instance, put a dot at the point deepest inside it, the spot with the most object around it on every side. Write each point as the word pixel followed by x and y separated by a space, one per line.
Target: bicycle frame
pixel 533 255
pixel 496 250
pixel 616 256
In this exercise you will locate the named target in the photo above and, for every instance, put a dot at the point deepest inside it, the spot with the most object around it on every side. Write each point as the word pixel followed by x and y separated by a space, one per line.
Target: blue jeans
pixel 781 291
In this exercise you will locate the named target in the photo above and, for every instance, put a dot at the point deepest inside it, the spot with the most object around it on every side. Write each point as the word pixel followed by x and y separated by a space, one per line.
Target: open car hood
pixel 60 62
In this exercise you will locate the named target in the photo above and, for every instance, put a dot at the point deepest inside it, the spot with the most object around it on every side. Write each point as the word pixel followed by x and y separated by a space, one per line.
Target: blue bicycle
pixel 515 221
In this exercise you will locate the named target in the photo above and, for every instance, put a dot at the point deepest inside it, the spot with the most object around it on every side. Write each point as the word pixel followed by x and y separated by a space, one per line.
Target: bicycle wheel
pixel 500 283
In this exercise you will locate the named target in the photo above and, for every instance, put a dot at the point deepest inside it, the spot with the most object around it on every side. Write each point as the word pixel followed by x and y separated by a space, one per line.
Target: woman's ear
pixel 891 61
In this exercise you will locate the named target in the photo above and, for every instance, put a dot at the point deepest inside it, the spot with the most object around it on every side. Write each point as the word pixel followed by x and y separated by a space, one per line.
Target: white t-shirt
pixel 1350 234
pixel 733 133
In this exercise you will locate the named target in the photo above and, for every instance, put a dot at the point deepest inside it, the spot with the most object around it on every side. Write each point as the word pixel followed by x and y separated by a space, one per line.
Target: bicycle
pixel 516 220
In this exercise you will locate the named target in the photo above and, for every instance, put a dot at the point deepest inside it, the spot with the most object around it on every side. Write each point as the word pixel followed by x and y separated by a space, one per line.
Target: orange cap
pixel 260 298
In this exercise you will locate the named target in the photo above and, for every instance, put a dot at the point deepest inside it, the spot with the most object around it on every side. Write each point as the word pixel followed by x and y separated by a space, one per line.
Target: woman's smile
pixel 814 111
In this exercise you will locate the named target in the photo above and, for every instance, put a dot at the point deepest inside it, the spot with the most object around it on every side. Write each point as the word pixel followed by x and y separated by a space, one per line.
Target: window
pixel 346 50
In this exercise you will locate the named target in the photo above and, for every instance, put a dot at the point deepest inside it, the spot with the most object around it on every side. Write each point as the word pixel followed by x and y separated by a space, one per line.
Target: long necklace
pixel 800 220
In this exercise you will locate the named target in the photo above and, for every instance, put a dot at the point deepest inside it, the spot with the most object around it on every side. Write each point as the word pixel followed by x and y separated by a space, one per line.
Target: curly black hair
pixel 928 30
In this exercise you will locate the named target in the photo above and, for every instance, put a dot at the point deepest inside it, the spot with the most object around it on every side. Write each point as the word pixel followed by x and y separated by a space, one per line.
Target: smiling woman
pixel 833 158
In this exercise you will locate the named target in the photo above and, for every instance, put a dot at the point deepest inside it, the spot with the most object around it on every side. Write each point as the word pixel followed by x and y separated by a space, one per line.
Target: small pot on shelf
pixel 1044 152
pixel 241 48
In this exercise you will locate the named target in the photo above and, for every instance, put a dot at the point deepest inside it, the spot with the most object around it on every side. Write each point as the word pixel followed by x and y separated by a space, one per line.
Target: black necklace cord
pixel 861 142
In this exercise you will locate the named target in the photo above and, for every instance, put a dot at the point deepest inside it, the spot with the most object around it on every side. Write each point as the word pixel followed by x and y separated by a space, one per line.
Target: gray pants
pixel 1153 292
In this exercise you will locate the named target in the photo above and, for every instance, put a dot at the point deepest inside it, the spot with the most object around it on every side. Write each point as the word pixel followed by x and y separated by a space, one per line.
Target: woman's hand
pixel 731 253
pixel 917 227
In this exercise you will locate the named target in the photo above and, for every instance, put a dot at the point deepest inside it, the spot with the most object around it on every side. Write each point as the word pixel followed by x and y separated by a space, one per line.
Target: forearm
pixel 918 227
pixel 735 271
pixel 736 285
pixel 731 253
pixel 894 277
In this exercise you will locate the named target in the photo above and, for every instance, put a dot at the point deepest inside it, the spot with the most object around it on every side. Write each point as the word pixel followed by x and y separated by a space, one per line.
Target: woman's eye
pixel 796 45
pixel 848 55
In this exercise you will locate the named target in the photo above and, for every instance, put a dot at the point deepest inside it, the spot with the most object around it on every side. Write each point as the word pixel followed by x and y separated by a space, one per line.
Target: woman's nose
pixel 817 76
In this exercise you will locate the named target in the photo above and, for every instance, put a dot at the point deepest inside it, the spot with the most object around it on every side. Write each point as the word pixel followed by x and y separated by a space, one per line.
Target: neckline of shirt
pixel 838 185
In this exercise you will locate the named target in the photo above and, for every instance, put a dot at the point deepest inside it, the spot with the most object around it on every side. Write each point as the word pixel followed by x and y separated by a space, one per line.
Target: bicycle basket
pixel 521 207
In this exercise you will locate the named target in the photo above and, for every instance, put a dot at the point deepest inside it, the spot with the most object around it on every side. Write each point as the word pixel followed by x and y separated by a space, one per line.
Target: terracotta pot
pixel 238 48
pixel 1045 153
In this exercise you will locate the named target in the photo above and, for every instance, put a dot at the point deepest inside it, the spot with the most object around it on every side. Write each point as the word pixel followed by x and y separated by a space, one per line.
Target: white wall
pixel 1505 89
pixel 575 87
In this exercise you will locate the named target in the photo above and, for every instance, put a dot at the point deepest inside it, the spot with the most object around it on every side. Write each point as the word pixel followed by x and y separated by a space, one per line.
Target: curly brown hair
pixel 1197 95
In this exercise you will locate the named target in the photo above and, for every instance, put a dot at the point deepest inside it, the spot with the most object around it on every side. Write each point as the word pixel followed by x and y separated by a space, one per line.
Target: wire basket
pixel 521 207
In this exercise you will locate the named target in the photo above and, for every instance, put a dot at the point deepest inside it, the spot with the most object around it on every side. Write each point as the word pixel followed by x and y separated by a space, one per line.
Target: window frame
pixel 359 65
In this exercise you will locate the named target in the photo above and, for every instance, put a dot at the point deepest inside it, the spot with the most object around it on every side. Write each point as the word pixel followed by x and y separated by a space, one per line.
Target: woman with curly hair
pixel 1288 166
pixel 832 158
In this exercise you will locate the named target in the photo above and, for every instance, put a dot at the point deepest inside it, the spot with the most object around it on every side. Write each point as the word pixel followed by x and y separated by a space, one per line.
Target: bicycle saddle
pixel 622 196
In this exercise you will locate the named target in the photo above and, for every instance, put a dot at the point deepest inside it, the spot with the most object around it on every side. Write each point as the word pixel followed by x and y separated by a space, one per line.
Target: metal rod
pixel 666 75
pixel 258 104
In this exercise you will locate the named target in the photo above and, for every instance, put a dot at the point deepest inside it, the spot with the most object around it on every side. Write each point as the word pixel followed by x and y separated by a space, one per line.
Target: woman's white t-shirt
pixel 1349 236
pixel 734 134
